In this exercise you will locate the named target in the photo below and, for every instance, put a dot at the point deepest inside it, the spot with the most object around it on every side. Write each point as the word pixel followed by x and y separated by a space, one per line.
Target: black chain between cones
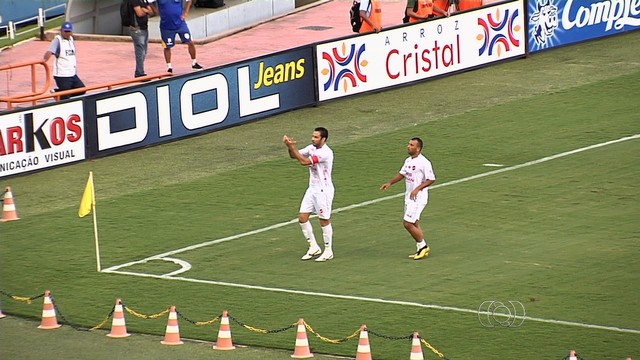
pixel 410 338
pixel 21 298
pixel 262 331
pixel 217 318
pixel 197 323
pixel 76 327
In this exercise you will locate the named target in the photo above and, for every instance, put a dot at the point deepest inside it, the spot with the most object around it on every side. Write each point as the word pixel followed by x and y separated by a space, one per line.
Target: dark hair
pixel 419 141
pixel 324 133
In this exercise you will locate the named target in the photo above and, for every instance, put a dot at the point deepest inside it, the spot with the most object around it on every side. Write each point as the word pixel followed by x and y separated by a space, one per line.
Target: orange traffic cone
pixel 416 348
pixel 172 334
pixel 1 314
pixel 8 207
pixel 572 355
pixel 49 320
pixel 224 334
pixel 301 350
pixel 364 351
pixel 118 326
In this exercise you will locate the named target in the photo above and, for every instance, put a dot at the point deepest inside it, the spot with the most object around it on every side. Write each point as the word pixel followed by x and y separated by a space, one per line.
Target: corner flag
pixel 88 203
pixel 87 198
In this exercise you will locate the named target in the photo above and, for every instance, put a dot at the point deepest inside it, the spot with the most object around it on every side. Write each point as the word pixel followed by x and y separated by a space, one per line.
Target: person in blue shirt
pixel 173 15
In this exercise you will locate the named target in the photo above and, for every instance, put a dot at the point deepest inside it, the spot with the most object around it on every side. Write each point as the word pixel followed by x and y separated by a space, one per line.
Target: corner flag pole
pixel 95 222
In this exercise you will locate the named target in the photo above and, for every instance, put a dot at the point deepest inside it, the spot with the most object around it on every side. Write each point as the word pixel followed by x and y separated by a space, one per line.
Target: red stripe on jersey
pixel 314 159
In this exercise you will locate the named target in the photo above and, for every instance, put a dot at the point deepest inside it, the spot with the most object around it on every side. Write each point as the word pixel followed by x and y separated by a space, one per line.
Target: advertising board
pixel 41 137
pixel 420 51
pixel 555 23
pixel 200 102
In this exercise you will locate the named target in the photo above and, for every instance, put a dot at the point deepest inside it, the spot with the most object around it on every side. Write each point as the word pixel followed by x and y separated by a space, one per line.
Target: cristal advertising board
pixel 199 102
pixel 561 22
pixel 422 50
pixel 41 137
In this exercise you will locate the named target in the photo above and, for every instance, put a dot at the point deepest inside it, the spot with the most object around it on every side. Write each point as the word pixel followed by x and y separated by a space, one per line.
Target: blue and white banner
pixel 204 101
pixel 555 23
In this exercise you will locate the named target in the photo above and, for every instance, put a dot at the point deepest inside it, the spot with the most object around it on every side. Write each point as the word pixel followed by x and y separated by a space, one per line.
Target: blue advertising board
pixel 200 102
pixel 555 23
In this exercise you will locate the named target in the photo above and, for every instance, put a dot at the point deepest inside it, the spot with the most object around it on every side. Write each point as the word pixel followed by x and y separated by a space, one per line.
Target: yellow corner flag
pixel 87 198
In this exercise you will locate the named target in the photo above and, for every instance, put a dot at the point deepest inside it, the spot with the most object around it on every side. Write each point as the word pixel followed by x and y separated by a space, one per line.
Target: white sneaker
pixel 326 255
pixel 313 251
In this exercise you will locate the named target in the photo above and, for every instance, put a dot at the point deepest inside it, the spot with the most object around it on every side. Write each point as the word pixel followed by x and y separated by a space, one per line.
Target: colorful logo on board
pixel 543 24
pixel 499 31
pixel 343 67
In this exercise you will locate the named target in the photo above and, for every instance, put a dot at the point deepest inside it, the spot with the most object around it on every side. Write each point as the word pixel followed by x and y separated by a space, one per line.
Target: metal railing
pixel 33 65
pixel 11 30
pixel 43 93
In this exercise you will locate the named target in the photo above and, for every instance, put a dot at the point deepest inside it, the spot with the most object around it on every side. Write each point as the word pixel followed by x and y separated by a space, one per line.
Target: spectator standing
pixel 425 10
pixel 371 14
pixel 65 64
pixel 139 31
pixel 418 175
pixel 173 16
pixel 318 198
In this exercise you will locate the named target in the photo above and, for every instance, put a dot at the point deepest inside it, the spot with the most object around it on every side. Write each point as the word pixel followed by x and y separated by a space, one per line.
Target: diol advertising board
pixel 200 102
pixel 421 50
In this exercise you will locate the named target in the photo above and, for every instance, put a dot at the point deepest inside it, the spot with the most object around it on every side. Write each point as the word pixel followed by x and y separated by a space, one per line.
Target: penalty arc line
pixel 114 269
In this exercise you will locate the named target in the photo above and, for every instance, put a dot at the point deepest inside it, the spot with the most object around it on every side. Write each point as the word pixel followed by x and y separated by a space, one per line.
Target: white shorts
pixel 413 210
pixel 318 201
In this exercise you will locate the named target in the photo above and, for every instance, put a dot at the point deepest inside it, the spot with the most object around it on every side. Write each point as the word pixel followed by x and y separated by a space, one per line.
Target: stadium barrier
pixel 224 341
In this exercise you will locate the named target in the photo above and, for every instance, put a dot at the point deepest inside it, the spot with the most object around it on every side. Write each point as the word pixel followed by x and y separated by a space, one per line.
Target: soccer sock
pixel 307 231
pixel 327 236
pixel 193 62
pixel 169 66
pixel 421 244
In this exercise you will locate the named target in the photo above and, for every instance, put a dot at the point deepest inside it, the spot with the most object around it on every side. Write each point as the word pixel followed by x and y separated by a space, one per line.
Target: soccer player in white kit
pixel 318 198
pixel 418 174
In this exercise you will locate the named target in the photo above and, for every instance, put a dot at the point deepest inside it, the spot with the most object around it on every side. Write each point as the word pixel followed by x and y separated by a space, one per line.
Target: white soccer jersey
pixel 321 166
pixel 416 171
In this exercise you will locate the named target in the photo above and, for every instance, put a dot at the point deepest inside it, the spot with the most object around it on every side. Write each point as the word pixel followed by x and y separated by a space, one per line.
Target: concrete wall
pixel 103 17
pixel 234 15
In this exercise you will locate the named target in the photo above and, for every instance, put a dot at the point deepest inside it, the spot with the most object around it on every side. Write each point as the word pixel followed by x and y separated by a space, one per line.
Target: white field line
pixel 383 301
pixel 115 269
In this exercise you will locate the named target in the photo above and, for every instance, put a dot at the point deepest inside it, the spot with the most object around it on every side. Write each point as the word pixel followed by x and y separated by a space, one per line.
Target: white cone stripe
pixel 172 329
pixel 118 321
pixel 302 342
pixel 48 313
pixel 364 348
pixel 47 300
pixel 173 316
pixel 226 334
pixel 118 309
pixel 224 321
pixel 9 207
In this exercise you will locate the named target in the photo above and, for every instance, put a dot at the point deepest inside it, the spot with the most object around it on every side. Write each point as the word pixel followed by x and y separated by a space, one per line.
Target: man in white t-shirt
pixel 65 64
pixel 418 174
pixel 318 198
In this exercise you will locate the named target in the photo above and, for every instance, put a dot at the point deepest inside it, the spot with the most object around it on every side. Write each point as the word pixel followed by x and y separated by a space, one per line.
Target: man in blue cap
pixel 64 65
